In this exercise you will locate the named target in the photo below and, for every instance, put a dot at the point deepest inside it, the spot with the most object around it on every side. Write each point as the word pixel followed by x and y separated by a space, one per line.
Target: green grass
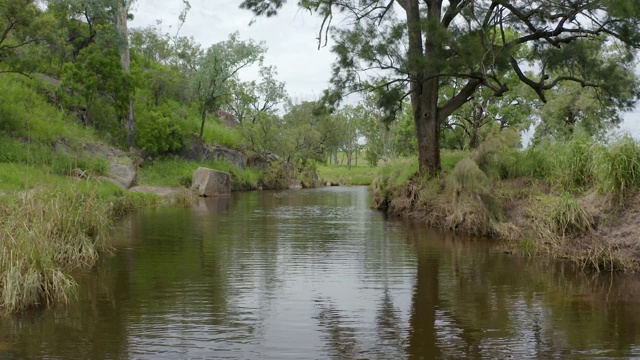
pixel 358 175
pixel 178 172
pixel 47 233
pixel 25 114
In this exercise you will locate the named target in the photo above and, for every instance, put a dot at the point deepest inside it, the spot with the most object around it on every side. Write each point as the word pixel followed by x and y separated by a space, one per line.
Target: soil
pixel 163 191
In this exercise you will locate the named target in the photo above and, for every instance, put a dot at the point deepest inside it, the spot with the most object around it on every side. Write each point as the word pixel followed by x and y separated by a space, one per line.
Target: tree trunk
pixel 427 128
pixel 125 60
pixel 204 117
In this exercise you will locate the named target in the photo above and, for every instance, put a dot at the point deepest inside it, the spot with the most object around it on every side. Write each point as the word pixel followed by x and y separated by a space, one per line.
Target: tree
pixel 121 17
pixel 20 27
pixel 218 68
pixel 484 113
pixel 419 46
pixel 249 99
pixel 350 120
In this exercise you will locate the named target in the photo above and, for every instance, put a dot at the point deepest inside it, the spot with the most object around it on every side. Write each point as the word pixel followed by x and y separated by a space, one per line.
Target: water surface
pixel 316 274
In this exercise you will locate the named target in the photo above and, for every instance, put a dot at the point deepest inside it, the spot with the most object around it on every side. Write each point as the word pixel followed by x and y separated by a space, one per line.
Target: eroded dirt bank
pixel 527 216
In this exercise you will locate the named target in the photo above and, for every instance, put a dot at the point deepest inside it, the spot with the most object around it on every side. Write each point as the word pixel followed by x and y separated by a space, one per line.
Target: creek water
pixel 316 274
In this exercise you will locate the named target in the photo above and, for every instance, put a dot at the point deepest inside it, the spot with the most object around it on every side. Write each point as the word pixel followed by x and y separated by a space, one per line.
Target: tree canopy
pixel 417 47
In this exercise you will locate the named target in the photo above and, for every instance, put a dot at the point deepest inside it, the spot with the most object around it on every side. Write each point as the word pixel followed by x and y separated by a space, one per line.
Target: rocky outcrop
pixel 295 184
pixel 233 157
pixel 260 161
pixel 200 151
pixel 123 171
pixel 208 182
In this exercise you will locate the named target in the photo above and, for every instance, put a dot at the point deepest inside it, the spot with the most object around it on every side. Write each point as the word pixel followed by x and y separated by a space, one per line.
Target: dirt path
pixel 164 191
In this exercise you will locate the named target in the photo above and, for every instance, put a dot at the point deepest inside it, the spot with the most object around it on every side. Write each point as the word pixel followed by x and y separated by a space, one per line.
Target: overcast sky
pixel 290 37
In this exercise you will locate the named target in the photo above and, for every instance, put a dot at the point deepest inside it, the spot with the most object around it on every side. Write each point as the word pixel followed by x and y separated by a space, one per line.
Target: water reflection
pixel 314 275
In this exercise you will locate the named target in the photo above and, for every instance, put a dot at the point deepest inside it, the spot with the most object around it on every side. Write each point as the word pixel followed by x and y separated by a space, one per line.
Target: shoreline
pixel 606 241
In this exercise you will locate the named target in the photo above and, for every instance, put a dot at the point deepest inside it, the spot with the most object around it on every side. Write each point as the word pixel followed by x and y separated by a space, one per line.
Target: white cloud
pixel 290 37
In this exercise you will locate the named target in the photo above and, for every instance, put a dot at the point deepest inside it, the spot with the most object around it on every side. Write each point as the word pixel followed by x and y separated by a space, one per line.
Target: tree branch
pixel 457 101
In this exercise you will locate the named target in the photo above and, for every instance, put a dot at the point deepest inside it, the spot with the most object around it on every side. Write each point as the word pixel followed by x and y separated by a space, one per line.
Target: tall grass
pixel 567 217
pixel 24 113
pixel 44 236
pixel 47 233
pixel 42 155
pixel 617 168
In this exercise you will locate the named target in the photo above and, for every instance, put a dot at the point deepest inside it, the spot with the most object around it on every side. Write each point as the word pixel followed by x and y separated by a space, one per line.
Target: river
pixel 316 274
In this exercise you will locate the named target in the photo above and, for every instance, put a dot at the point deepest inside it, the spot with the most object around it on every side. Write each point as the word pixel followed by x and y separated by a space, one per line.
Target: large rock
pixel 233 157
pixel 209 182
pixel 197 150
pixel 124 174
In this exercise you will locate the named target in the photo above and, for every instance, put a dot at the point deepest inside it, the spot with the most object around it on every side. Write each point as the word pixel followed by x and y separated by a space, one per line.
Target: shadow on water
pixel 317 274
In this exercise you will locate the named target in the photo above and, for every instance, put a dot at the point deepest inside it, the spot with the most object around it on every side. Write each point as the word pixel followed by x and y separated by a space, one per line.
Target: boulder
pixel 209 182
pixel 233 157
pixel 295 184
pixel 261 161
pixel 124 174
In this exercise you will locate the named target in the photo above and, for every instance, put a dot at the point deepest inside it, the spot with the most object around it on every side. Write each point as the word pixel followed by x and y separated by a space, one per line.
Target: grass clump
pixel 44 235
pixel 568 217
pixel 617 168
pixel 47 233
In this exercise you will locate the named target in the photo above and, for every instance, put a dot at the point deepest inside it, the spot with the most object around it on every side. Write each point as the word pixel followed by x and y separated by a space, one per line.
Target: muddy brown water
pixel 316 274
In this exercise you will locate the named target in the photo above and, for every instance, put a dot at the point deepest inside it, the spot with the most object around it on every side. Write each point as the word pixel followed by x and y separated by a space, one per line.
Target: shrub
pixel 157 133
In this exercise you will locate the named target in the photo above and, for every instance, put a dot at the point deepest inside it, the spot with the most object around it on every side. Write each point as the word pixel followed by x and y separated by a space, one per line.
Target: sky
pixel 290 37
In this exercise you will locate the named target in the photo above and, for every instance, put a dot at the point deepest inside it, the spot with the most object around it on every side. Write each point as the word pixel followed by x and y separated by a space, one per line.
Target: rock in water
pixel 209 182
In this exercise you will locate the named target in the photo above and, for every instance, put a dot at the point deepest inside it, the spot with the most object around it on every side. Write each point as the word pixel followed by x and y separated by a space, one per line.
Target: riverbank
pixel 50 231
pixel 574 201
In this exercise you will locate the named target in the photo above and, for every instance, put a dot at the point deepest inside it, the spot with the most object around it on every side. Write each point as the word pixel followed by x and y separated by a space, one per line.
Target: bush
pixel 13 117
pixel 158 133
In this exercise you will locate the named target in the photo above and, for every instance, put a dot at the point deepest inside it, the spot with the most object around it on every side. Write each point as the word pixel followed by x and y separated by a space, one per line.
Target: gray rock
pixel 233 157
pixel 124 174
pixel 209 182
pixel 295 184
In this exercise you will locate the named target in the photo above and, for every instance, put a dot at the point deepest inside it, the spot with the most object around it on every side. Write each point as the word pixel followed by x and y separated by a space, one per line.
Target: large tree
pixel 421 45
pixel 218 68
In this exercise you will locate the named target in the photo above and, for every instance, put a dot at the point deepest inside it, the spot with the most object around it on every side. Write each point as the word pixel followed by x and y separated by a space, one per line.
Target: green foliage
pixel 398 172
pixel 575 160
pixel 47 234
pixel 450 158
pixel 216 132
pixel 179 172
pixel 617 168
pixel 157 132
pixel 99 72
pixel 341 174
pixel 472 48
pixel 277 175
pixel 24 113
pixel 218 67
